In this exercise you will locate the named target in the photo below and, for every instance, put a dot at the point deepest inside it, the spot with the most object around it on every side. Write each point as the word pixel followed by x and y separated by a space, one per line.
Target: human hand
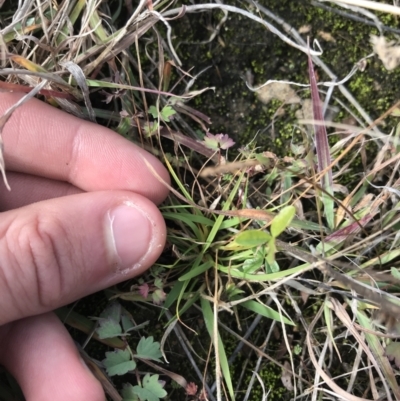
pixel 80 217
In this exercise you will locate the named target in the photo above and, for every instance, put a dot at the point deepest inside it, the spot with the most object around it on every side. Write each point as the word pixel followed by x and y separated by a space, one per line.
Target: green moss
pixel 270 375
pixel 235 110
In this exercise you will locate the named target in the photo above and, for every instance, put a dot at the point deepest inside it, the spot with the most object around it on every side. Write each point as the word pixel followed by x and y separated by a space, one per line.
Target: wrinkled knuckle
pixel 37 256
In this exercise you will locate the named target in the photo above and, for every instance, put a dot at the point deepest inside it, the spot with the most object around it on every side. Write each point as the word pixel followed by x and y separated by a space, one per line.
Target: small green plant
pixel 256 240
pixel 164 115
pixel 115 321
pixel 150 389
pixel 218 141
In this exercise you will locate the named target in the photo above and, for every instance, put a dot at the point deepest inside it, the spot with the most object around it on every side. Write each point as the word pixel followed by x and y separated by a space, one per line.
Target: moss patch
pixel 244 48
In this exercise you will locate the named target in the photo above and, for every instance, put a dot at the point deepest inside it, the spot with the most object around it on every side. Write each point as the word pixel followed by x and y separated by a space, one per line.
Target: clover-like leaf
pixel 164 114
pixel 218 141
pixel 109 319
pixel 167 112
pixel 158 283
pixel 108 328
pixel 158 297
pixel 128 394
pixel 151 389
pixel 127 321
pixel 112 311
pixel 148 349
pixel 119 362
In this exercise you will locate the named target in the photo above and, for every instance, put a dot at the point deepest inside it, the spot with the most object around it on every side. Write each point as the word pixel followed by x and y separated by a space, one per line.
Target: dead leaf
pixel 287 377
pixel 279 91
pixel 326 36
pixel 304 29
pixel 388 52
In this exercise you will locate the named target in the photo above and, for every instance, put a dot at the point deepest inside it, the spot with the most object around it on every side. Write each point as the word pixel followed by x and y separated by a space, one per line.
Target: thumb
pixel 56 251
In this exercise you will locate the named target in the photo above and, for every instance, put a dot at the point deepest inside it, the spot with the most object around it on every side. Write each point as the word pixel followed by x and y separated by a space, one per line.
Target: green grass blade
pixel 209 321
pixel 220 218
pixel 266 311
pixel 379 353
pixel 264 277
pixel 196 271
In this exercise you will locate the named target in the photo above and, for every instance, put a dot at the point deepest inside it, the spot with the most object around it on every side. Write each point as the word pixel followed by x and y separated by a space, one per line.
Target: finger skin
pixel 27 189
pixel 57 251
pixel 41 355
pixel 44 141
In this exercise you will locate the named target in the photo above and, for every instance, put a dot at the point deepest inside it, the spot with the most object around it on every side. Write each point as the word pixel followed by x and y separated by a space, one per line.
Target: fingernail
pixel 129 236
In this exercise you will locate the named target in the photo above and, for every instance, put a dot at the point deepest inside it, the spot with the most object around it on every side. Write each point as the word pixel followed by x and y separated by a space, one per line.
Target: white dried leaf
pixel 388 52
pixel 80 78
pixel 326 36
pixel 304 29
pixel 277 90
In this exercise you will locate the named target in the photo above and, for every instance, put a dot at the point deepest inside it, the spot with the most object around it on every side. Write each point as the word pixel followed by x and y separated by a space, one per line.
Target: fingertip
pixel 63 249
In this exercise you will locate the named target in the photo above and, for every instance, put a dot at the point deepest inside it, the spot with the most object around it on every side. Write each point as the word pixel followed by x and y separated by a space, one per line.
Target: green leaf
pixel 395 273
pixel 378 352
pixel 128 394
pixel 270 258
pixel 87 326
pixel 119 362
pixel 329 205
pixel 253 264
pixel 126 321
pixel 164 114
pixel 153 111
pixel 233 292
pixel 159 283
pixel 259 277
pixel 297 349
pixel 271 267
pixel 167 112
pixel 253 260
pixel 266 311
pixel 158 296
pixel 262 159
pixel 151 389
pixel 252 238
pixel 112 311
pixel 195 271
pixel 218 141
pixel 227 205
pixel 108 328
pixel 208 316
pixel 148 349
pixel 150 128
pixel 282 220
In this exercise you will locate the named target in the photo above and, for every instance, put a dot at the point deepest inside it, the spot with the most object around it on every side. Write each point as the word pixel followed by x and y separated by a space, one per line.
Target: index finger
pixel 44 141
